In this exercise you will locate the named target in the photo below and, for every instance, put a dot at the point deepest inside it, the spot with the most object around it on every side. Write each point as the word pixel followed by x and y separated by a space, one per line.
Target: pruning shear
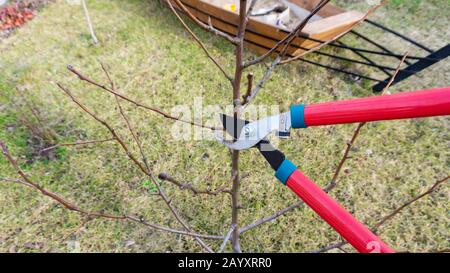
pixel 246 134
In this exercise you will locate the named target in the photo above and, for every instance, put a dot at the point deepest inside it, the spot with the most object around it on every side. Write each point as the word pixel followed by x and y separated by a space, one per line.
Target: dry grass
pixel 154 60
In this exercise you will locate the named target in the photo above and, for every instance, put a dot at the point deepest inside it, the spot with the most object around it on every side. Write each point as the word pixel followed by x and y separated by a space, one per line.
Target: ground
pixel 153 60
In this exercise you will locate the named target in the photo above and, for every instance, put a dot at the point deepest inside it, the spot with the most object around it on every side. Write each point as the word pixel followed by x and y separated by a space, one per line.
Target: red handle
pixel 424 103
pixel 329 210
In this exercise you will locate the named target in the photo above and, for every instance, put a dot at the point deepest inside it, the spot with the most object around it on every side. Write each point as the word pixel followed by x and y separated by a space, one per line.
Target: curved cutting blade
pixel 247 134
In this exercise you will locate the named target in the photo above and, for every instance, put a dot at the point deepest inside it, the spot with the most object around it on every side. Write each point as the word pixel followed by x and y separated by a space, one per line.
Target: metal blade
pixel 233 126
pixel 247 134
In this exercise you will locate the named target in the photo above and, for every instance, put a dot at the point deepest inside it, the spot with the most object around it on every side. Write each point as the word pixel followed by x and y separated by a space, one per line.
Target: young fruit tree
pixel 244 88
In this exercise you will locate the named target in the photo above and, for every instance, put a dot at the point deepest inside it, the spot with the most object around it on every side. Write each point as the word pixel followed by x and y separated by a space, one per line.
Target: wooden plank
pixel 261 36
pixel 328 10
pixel 333 23
pixel 266 42
pixel 233 18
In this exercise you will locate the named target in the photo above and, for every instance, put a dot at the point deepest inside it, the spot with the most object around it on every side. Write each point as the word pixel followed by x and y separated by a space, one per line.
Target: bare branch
pixel 287 41
pixel 372 10
pixel 160 191
pixel 278 60
pixel 358 129
pixel 270 69
pixel 239 68
pixel 409 202
pixel 207 27
pixel 345 156
pixel 133 133
pixel 189 233
pixel 188 186
pixel 136 162
pixel 388 217
pixel 108 76
pixel 76 143
pixel 17 181
pixel 333 182
pixel 278 213
pixel 251 8
pixel 88 20
pixel 328 248
pixel 200 43
pixel 125 118
pixel 271 217
pixel 399 66
pixel 77 230
pixel 227 238
pixel 249 88
pixel 153 109
pixel 70 206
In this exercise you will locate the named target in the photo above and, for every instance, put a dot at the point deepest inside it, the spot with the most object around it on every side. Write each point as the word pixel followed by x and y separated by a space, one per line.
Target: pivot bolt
pixel 248 131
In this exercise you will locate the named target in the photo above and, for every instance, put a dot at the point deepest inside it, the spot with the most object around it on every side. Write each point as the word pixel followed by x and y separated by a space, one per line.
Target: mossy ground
pixel 154 60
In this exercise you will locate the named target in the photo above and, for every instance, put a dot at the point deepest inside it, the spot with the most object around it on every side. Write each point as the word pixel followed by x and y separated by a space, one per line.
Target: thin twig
pixel 372 10
pixel 301 26
pixel 108 76
pixel 345 157
pixel 389 216
pixel 227 238
pixel 200 43
pixel 360 125
pixel 278 213
pixel 259 86
pixel 408 203
pixel 78 142
pixel 279 59
pixel 287 41
pixel 188 186
pixel 328 248
pixel 88 20
pixel 77 230
pixel 126 119
pixel 70 206
pixel 271 217
pixel 160 191
pixel 333 182
pixel 153 109
pixel 397 70
pixel 289 38
pixel 207 27
pixel 133 133
pixel 249 88
pixel 136 162
pixel 18 181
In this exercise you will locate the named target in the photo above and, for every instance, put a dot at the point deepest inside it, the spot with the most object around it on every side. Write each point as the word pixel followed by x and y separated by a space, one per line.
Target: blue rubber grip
pixel 285 170
pixel 298 116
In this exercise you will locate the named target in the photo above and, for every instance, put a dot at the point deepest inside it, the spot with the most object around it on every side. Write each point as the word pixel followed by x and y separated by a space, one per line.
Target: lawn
pixel 152 59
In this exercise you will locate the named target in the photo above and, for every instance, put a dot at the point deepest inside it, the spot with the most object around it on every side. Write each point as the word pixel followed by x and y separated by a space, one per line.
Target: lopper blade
pixel 248 134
